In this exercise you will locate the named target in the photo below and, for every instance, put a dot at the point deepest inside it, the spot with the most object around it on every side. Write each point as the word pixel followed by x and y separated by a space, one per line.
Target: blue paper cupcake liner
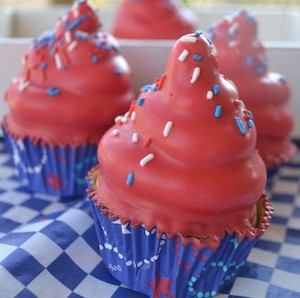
pixel 158 266
pixel 52 170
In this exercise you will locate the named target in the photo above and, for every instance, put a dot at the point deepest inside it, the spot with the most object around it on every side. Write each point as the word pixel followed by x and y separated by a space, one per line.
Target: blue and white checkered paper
pixel 49 248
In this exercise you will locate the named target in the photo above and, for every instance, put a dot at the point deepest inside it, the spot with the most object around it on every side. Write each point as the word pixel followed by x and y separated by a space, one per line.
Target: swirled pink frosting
pixel 74 81
pixel 152 19
pixel 242 58
pixel 183 158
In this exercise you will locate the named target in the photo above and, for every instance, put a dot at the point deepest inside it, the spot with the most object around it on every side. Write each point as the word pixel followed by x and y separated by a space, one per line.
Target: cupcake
pixel 73 82
pixel 152 19
pixel 178 196
pixel 242 58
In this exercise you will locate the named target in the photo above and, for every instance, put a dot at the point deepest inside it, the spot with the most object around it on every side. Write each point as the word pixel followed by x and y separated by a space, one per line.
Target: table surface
pixel 48 246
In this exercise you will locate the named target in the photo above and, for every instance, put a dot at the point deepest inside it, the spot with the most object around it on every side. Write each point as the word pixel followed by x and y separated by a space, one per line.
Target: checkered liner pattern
pixel 49 248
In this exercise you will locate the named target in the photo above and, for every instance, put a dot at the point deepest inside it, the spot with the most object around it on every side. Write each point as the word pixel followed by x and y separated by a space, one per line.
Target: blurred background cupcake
pixel 73 82
pixel 242 58
pixel 152 19
pixel 178 197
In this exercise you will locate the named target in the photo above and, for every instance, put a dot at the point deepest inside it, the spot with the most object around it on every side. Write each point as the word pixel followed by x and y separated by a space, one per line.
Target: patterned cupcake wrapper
pixel 158 266
pixel 52 170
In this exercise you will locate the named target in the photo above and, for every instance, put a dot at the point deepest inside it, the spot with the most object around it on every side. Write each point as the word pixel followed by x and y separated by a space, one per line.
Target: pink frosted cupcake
pixel 152 19
pixel 242 58
pixel 178 197
pixel 73 83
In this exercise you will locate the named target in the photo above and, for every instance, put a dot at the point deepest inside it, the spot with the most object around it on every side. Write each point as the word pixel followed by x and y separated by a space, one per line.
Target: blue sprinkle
pixel 149 87
pixel 198 33
pixel 240 125
pixel 209 41
pixel 211 34
pixel 250 18
pixel 43 66
pixel 250 114
pixel 216 89
pixel 200 295
pixel 261 68
pixel 206 294
pixel 52 41
pixel 213 293
pixel 66 24
pixel 249 60
pixel 53 91
pixel 105 48
pixel 250 123
pixel 153 87
pixel 130 179
pixel 118 72
pixel 193 279
pixel 140 101
pixel 218 111
pixel 85 17
pixel 197 57
pixel 95 58
pixel 60 42
pixel 43 43
pixel 80 35
pixel 227 277
pixel 213 264
pixel 73 25
pixel 283 80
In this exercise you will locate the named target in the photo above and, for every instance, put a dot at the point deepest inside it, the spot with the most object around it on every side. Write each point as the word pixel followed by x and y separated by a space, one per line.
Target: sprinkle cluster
pixel 184 57
pixel 231 39
pixel 56 47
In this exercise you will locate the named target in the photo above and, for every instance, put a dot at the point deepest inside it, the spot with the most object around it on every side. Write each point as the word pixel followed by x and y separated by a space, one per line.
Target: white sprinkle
pixel 15 81
pixel 233 28
pixel 209 95
pixel 58 61
pixel 75 12
pixel 183 55
pixel 126 114
pixel 23 85
pixel 124 119
pixel 133 115
pixel 146 159
pixel 167 128
pixel 82 34
pixel 195 75
pixel 135 137
pixel 233 43
pixel 115 132
pixel 118 118
pixel 188 39
pixel 68 36
pixel 72 45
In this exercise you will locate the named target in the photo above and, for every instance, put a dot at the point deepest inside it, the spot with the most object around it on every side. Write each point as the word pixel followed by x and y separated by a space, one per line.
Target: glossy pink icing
pixel 152 19
pixel 202 175
pixel 74 81
pixel 242 58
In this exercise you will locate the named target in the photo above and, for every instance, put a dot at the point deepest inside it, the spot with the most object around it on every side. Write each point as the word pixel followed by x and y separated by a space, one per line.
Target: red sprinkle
pixel 147 143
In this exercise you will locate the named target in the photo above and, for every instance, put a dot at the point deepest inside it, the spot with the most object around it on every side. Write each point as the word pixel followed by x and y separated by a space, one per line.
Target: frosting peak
pixel 152 19
pixel 187 150
pixel 82 17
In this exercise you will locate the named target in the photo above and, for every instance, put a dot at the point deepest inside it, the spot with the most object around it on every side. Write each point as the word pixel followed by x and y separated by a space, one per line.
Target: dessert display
pixel 178 196
pixel 152 19
pixel 242 59
pixel 73 82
